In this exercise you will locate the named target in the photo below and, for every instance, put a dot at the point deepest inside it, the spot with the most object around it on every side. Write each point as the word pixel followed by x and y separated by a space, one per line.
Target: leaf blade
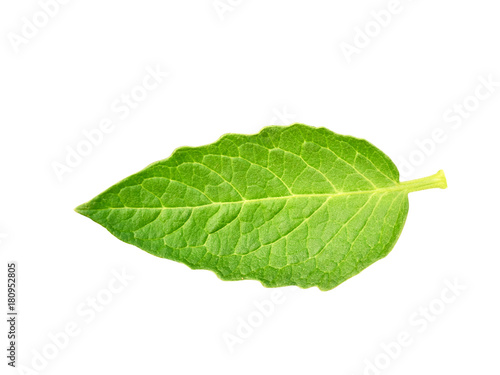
pixel 290 205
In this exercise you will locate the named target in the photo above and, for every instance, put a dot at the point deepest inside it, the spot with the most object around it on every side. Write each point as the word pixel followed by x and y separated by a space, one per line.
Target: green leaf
pixel 292 205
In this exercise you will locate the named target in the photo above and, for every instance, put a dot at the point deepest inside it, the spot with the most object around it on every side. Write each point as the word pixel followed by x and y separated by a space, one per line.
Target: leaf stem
pixel 435 181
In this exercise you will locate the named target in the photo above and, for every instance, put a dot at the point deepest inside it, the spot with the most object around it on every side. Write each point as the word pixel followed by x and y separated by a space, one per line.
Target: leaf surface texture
pixel 292 205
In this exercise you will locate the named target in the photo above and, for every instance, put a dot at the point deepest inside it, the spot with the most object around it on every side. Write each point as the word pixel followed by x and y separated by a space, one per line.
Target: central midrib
pixel 397 187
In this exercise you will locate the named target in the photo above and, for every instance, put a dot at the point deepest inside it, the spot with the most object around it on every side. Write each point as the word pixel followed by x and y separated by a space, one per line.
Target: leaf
pixel 292 205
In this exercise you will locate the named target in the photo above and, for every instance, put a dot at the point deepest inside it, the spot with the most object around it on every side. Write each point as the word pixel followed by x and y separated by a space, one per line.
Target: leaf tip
pixel 81 209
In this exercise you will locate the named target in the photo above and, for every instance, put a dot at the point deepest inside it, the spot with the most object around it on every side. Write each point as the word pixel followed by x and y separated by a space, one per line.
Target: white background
pixel 257 64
